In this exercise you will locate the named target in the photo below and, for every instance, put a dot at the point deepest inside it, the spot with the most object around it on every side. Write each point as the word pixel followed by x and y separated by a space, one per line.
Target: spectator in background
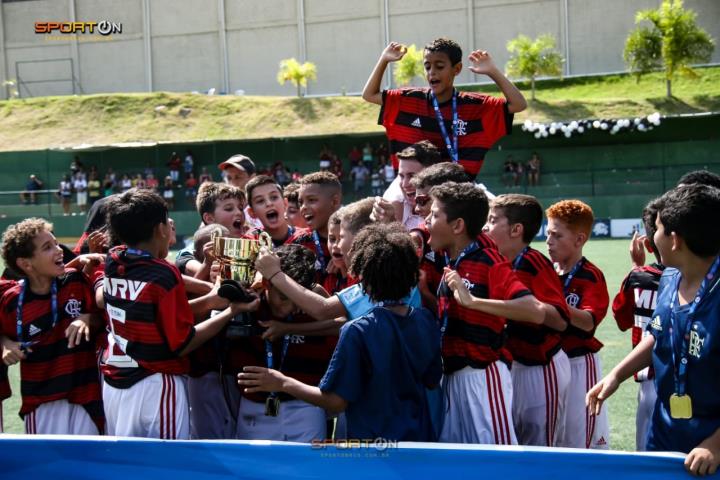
pixel 191 184
pixel 519 173
pixel 65 194
pixel 281 174
pixel 205 176
pixel 381 153
pixel 80 185
pixel 336 167
pixel 355 156
pixel 359 174
pixel 33 185
pixel 108 184
pixel 125 183
pixel 189 162
pixel 325 157
pixel 151 183
pixel 111 174
pixel 168 193
pixel 76 166
pixel 388 172
pixel 296 176
pixel 376 182
pixel 174 164
pixel 93 185
pixel 508 175
pixel 533 170
pixel 367 156
pixel 138 181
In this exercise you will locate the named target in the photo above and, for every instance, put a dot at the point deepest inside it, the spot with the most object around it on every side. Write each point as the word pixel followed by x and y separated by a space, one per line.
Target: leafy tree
pixel 672 43
pixel 533 58
pixel 292 71
pixel 410 66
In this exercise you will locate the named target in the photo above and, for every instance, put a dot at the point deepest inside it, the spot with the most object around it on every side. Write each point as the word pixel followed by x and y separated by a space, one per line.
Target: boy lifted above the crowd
pixel 463 125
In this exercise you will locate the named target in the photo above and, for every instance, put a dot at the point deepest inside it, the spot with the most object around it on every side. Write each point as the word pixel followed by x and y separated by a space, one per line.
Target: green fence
pixel 616 174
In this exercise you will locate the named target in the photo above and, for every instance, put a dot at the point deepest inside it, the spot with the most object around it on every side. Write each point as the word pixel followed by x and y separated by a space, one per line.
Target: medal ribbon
pixel 680 368
pixel 452 147
pixel 18 318
pixel 443 292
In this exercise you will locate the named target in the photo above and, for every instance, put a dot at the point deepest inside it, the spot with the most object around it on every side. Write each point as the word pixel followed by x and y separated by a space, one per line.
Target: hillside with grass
pixel 63 121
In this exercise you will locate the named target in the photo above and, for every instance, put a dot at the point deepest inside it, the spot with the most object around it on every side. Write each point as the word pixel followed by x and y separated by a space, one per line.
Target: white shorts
pixel 155 407
pixel 478 406
pixel 60 418
pixel 297 421
pixel 213 406
pixel 81 198
pixel 646 404
pixel 539 398
pixel 583 430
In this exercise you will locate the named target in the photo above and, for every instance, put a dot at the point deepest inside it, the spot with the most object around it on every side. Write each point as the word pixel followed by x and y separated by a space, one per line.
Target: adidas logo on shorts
pixel 602 441
pixel 655 324
pixel 417 123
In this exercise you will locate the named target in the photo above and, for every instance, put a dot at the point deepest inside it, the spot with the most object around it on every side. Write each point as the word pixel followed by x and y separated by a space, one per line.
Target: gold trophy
pixel 237 256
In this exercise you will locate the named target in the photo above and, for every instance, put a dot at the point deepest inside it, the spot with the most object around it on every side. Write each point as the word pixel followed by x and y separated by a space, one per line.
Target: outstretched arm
pixel 392 53
pixel 482 64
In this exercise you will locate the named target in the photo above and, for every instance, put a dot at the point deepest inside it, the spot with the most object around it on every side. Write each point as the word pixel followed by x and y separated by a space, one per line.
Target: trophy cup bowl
pixel 237 256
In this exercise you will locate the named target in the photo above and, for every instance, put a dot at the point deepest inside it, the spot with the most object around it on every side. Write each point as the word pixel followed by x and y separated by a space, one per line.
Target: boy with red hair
pixel 569 225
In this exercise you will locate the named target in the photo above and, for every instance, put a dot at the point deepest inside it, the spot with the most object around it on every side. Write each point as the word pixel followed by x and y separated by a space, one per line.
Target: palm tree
pixel 531 59
pixel 292 71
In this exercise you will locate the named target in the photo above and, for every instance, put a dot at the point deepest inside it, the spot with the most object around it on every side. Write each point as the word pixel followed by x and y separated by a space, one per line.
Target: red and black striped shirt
pixel 634 304
pixel 149 317
pixel 306 238
pixel 532 344
pixel 474 338
pixel 408 117
pixel 52 371
pixel 5 391
pixel 587 291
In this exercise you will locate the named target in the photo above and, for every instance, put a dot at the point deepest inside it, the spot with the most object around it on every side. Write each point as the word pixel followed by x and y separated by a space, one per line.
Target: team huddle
pixel 421 315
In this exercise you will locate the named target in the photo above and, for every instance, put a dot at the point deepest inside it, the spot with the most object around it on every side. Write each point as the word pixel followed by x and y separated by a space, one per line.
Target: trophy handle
pixel 265 240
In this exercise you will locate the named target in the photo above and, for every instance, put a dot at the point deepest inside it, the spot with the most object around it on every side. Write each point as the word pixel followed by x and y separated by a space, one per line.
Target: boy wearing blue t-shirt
pixel 385 359
pixel 680 348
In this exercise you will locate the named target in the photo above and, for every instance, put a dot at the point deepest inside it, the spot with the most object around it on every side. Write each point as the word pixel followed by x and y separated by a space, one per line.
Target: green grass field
pixel 612 257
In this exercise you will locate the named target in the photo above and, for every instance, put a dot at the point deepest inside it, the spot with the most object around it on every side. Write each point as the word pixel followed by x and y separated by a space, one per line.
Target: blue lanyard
pixel 518 259
pixel 283 353
pixel 319 249
pixel 452 148
pixel 18 318
pixel 138 252
pixel 444 291
pixel 680 368
pixel 573 272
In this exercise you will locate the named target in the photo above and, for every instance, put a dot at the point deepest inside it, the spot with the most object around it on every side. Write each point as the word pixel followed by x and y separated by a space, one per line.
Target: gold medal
pixel 680 406
pixel 272 406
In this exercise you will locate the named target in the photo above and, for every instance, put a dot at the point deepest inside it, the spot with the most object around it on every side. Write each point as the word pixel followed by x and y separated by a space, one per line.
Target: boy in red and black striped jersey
pixel 540 371
pixel 320 196
pixel 45 325
pixel 569 225
pixel 151 323
pixel 304 358
pixel 463 125
pixel 430 265
pixel 485 291
pixel 633 308
pixel 5 391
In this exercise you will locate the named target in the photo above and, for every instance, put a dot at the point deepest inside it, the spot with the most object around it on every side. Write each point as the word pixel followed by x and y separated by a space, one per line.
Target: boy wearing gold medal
pixel 685 322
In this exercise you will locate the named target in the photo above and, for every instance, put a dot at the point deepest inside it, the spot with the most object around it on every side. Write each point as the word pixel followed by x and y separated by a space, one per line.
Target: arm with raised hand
pixel 482 63
pixel 392 53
